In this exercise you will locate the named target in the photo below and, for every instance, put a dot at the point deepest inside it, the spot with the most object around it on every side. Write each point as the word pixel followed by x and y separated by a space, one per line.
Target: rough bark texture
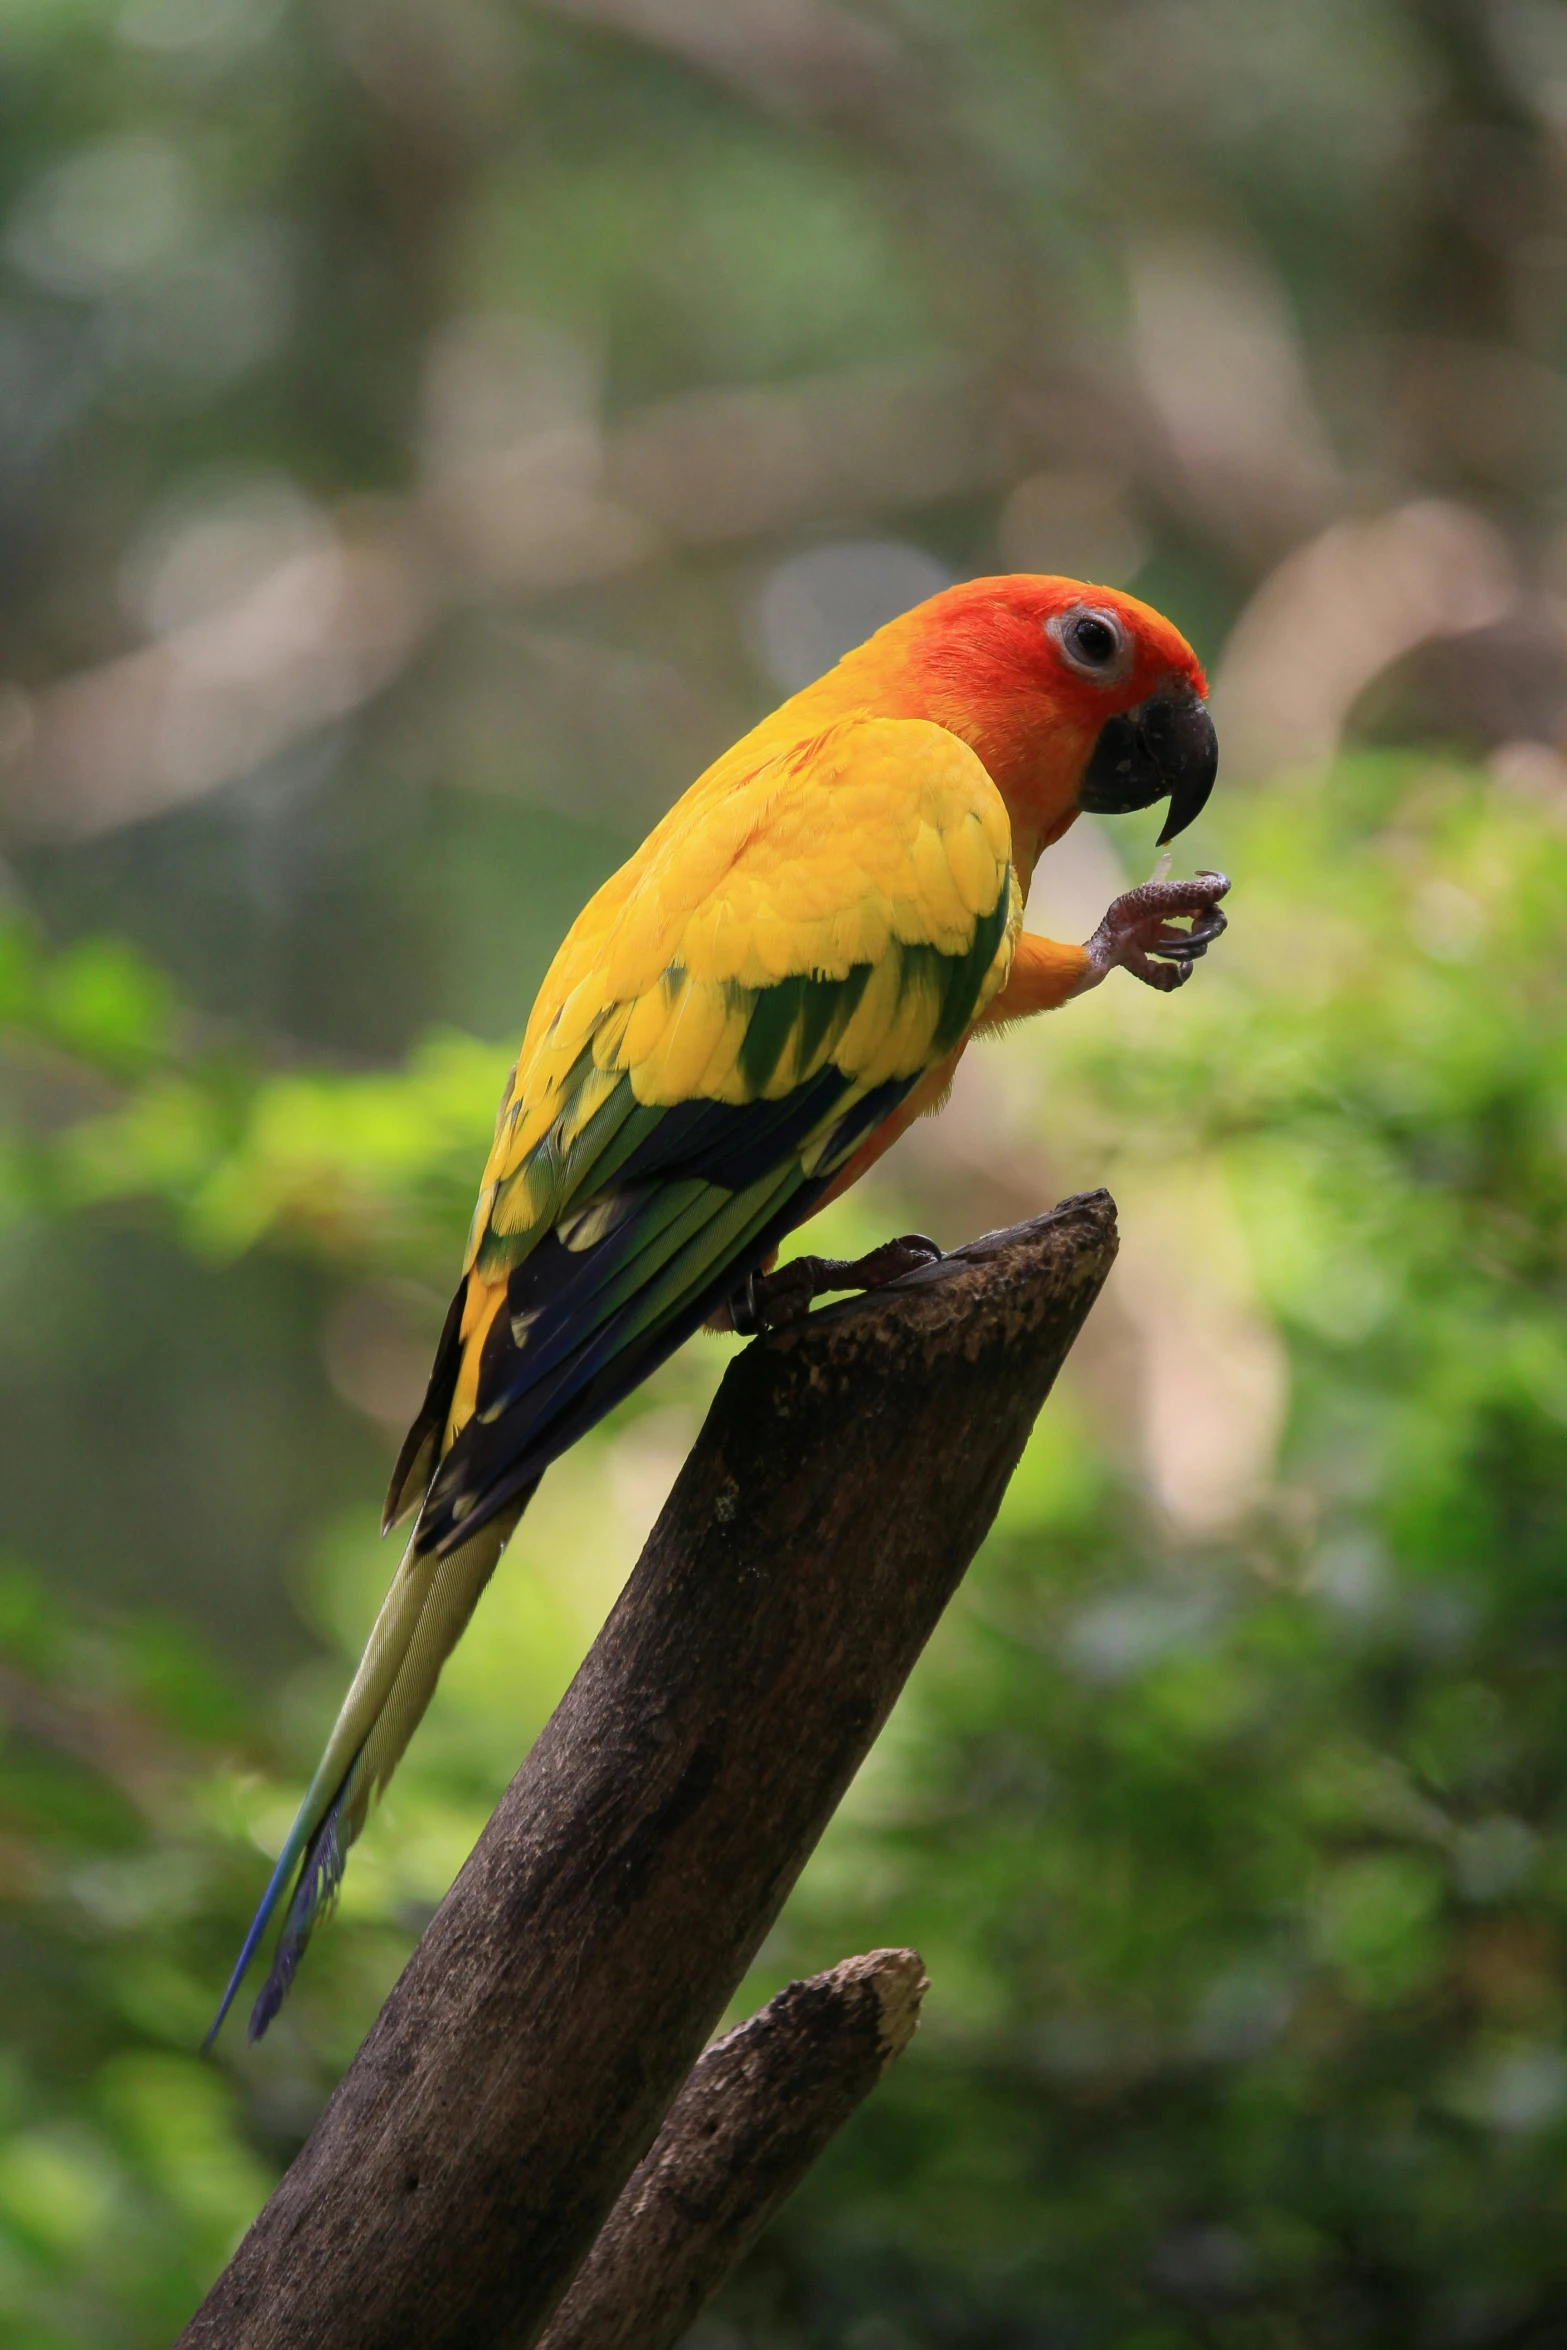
pixel 522 2066
pixel 756 2112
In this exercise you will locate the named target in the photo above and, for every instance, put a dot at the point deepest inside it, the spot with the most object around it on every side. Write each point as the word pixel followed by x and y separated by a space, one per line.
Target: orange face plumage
pixel 1074 696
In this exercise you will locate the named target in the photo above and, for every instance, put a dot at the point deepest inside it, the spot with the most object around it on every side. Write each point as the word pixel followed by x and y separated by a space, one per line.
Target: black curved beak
pixel 1165 748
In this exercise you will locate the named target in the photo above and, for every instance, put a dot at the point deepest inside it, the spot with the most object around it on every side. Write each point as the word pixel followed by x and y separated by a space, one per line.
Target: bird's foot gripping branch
pixel 771 1301
pixel 521 2068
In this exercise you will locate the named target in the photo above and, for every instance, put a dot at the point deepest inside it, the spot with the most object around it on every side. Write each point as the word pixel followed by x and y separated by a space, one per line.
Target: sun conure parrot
pixel 739 1022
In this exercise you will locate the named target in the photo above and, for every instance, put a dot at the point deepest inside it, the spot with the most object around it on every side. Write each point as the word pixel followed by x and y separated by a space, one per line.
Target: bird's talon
pixel 889 1262
pixel 771 1301
pixel 1139 934
pixel 1213 925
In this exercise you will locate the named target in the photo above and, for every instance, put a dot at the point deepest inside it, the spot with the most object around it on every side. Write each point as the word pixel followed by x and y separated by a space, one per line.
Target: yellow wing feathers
pixel 846 900
pixel 816 863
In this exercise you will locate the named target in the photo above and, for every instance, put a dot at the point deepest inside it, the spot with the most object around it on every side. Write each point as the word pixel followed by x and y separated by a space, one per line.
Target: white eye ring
pixel 1092 641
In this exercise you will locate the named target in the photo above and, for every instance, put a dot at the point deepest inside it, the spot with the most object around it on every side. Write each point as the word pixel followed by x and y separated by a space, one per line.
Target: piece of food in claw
pixel 1161 871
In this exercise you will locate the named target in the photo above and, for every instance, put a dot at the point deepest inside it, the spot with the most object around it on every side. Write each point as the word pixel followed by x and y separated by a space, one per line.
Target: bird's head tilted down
pixel 1076 697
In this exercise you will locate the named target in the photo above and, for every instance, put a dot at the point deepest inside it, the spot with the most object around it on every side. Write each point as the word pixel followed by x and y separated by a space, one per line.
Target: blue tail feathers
pixel 320 1856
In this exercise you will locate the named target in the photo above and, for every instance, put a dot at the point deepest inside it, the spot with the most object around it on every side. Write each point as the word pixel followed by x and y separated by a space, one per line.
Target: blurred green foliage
pixel 429 430
pixel 1239 1863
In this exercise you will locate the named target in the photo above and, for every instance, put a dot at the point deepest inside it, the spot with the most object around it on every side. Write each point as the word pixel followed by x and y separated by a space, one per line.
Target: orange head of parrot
pixel 1076 697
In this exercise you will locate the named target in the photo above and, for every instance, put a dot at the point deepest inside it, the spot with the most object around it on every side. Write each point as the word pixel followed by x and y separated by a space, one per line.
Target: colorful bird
pixel 738 1024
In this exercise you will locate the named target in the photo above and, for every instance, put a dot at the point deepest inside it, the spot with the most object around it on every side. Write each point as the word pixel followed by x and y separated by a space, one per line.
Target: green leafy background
pixel 1229 1806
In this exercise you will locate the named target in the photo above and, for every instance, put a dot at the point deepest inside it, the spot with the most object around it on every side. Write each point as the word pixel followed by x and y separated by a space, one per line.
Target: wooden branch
pixel 846 1475
pixel 756 2112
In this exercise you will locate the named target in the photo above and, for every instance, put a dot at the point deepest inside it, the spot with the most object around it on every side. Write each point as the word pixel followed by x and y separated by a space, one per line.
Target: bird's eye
pixel 1093 640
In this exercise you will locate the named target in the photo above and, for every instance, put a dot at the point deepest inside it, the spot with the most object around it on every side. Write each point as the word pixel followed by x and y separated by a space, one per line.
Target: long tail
pixel 422 1618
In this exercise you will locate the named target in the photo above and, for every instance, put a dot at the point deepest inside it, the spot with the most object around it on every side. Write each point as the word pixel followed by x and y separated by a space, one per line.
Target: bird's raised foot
pixel 771 1301
pixel 1141 926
